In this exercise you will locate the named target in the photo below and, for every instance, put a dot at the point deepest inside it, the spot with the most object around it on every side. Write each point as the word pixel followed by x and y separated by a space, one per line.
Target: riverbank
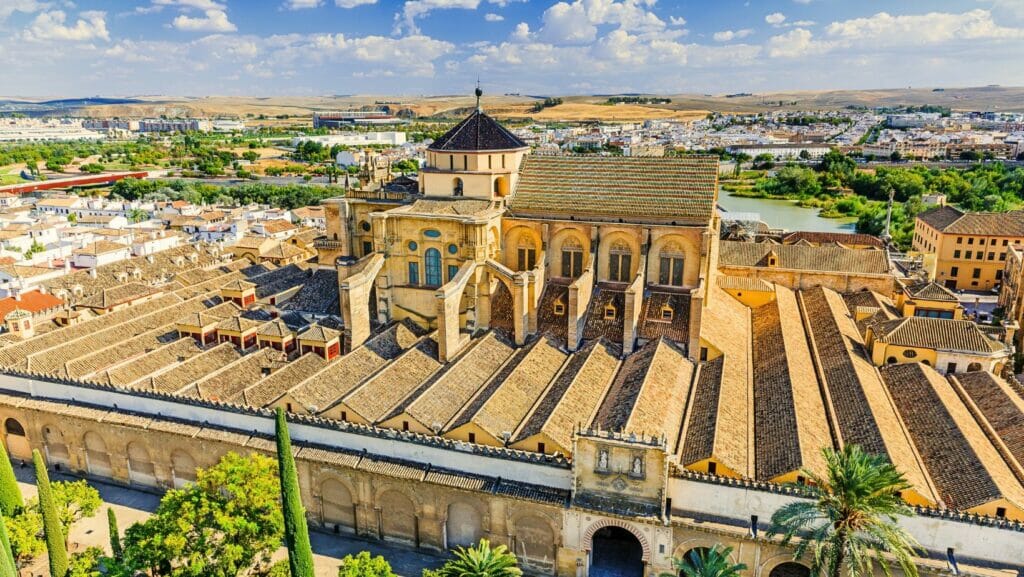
pixel 783 213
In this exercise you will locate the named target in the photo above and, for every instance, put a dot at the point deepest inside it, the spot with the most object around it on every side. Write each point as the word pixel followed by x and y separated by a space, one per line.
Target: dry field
pixel 575 108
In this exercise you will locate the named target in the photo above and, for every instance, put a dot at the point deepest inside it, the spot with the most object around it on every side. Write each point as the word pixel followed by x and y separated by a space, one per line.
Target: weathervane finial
pixel 478 93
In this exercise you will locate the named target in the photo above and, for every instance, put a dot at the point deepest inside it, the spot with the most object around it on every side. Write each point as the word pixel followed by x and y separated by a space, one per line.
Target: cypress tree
pixel 10 494
pixel 7 566
pixel 53 533
pixel 115 536
pixel 296 533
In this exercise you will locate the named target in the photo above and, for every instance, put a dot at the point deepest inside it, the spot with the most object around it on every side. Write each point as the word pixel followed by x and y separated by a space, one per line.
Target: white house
pixel 147 243
pixel 100 253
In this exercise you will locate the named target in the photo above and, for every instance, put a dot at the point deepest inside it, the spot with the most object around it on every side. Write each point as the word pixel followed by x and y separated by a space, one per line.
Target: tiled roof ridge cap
pixel 367 430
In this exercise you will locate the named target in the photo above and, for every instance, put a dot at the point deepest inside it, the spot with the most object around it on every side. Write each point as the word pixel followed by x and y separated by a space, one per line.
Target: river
pixel 785 214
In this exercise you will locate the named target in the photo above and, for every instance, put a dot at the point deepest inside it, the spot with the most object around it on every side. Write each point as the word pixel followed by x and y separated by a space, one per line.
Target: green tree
pixel 482 561
pixel 137 215
pixel 23 531
pixel 74 501
pixel 713 562
pixel 296 532
pixel 220 526
pixel 7 566
pixel 86 564
pixel 362 565
pixel 851 518
pixel 10 494
pixel 52 531
pixel 115 534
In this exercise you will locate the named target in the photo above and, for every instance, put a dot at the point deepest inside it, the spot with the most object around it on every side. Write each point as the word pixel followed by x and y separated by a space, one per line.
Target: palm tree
pixel 713 562
pixel 481 561
pixel 852 518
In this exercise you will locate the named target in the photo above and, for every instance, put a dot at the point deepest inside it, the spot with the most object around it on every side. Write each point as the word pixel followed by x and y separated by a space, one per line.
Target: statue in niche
pixel 602 460
pixel 638 466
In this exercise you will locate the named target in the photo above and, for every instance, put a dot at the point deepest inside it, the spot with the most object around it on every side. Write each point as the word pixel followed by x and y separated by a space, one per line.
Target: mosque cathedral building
pixel 564 354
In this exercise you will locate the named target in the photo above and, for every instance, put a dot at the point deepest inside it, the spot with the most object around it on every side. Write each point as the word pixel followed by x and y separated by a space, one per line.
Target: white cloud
pixel 8 7
pixel 677 20
pixel 730 35
pixel 803 1
pixel 353 3
pixel 413 9
pixel 212 21
pixel 775 18
pixel 796 42
pixel 301 4
pixel 521 32
pixel 924 28
pixel 492 17
pixel 91 25
pixel 197 4
pixel 578 22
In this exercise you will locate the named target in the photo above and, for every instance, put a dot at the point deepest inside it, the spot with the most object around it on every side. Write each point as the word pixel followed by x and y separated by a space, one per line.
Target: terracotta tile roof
pixel 862 412
pixel 631 188
pixel 322 389
pixel 394 383
pixel 319 334
pixel 277 225
pixel 790 426
pixel 844 238
pixel 153 362
pixel 274 328
pixel 460 380
pixel 652 323
pixel 800 257
pixel 239 285
pixel 743 283
pixel 110 297
pixel 649 394
pixel 271 387
pixel 547 321
pixel 477 132
pixel 509 404
pixel 931 291
pixel 966 468
pixel 227 384
pixel 100 247
pixel 34 302
pixel 942 334
pixel 237 324
pixel 192 369
pixel 722 401
pixel 460 207
pixel 1000 404
pixel 597 326
pixel 951 220
pixel 575 396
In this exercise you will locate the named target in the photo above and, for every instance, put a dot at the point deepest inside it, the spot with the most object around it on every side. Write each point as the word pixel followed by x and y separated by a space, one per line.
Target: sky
pixel 64 48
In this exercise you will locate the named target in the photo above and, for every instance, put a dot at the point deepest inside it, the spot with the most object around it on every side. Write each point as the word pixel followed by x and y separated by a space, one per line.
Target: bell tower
pixel 478 158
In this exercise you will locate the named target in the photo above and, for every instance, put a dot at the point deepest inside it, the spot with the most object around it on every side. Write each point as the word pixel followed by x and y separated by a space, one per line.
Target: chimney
pixel 92 272
pixel 67 265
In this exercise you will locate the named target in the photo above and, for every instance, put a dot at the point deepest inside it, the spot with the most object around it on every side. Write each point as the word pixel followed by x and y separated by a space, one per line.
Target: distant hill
pixel 574 108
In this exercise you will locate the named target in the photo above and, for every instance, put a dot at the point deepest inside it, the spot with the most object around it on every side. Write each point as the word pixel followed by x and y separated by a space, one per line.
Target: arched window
pixel 13 427
pixel 670 271
pixel 620 260
pixel 432 259
pixel 572 258
pixel 526 254
pixel 457 187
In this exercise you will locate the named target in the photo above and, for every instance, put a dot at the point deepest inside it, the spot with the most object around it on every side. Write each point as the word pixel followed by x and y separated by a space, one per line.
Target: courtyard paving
pixel 132 505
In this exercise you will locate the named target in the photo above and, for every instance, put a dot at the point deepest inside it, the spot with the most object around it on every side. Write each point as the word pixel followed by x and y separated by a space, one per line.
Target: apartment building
pixel 970 248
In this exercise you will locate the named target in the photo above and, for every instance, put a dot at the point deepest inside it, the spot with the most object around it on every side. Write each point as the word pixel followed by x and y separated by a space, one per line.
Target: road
pixel 132 506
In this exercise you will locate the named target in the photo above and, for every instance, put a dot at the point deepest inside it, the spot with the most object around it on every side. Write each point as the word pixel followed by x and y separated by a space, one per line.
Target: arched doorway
pixel 397 518
pixel 790 569
pixel 17 441
pixel 463 526
pixel 97 460
pixel 140 466
pixel 183 469
pixel 616 552
pixel 336 504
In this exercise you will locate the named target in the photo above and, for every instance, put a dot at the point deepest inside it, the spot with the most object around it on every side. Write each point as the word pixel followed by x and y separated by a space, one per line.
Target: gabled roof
pixel 799 257
pixel 31 301
pixel 477 132
pixel 319 334
pixel 847 238
pixel 930 291
pixel 633 188
pixel 945 334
